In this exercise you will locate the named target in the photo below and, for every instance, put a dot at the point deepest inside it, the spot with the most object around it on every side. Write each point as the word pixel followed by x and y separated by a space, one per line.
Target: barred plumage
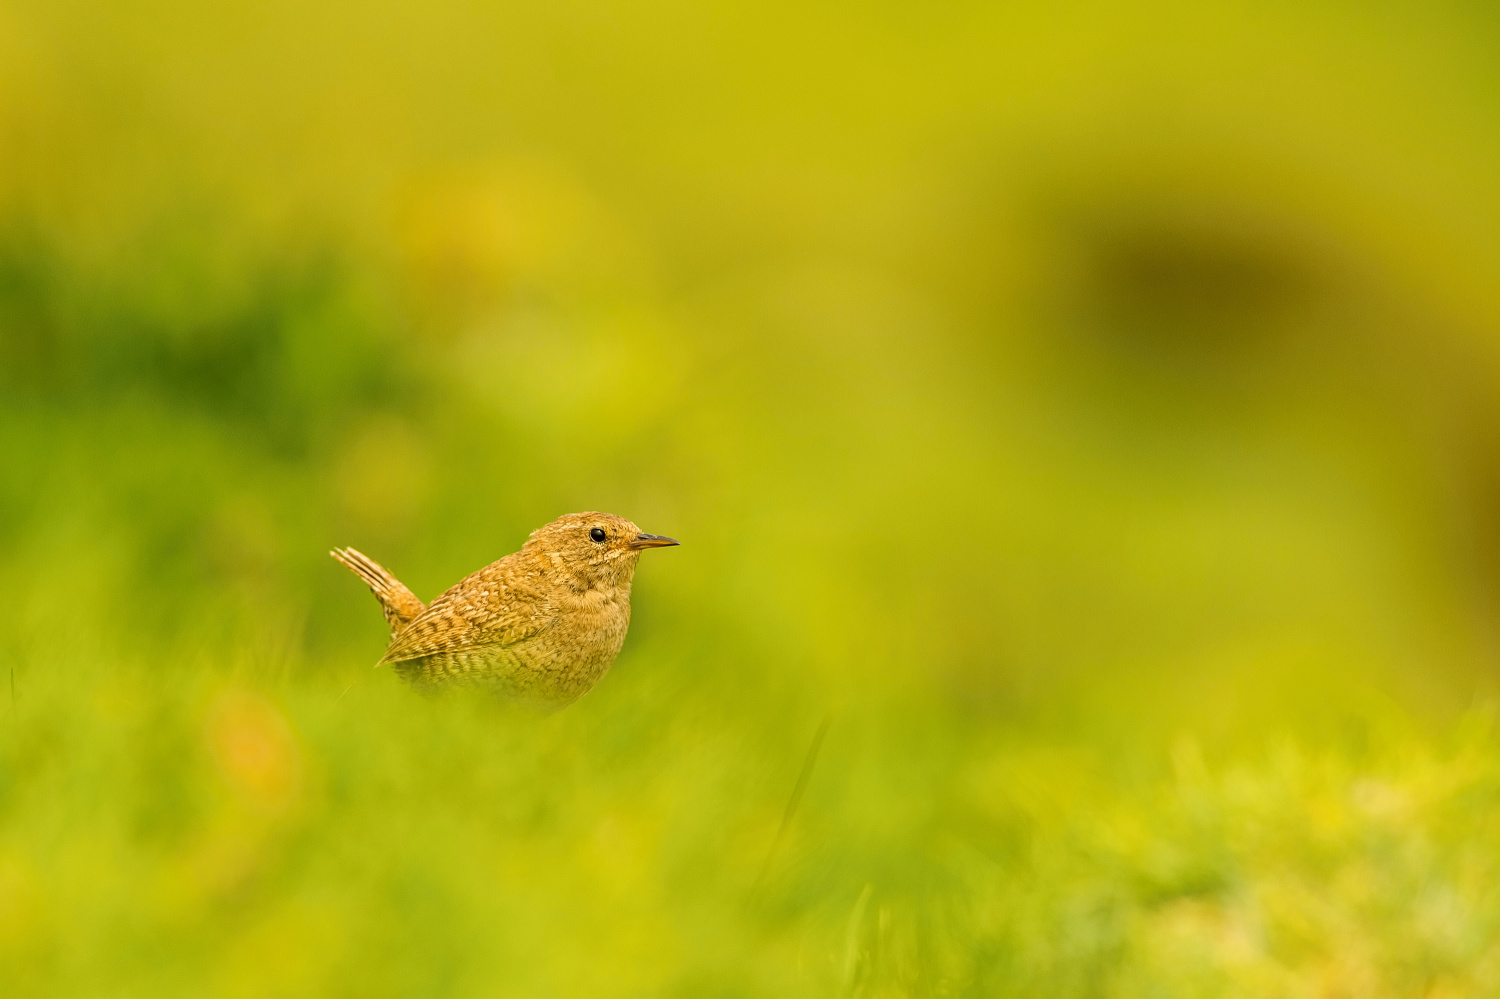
pixel 544 623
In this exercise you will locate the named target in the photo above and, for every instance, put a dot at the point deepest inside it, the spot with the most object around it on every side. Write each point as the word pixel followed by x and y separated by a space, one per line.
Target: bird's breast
pixel 580 644
pixel 594 621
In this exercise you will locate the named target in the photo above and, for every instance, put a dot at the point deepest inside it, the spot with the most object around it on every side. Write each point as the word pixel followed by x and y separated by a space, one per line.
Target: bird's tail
pixel 399 604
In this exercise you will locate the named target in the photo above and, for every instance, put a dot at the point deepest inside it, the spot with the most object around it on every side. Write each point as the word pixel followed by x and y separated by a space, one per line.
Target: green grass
pixel 197 828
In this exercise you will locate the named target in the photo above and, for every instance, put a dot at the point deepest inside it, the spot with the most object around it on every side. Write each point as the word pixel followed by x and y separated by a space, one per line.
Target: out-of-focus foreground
pixel 1091 412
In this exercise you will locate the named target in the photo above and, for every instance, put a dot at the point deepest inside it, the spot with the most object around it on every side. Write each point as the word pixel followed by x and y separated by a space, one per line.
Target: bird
pixel 541 625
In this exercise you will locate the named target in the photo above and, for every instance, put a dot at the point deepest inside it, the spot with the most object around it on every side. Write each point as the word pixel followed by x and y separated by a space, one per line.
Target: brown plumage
pixel 544 623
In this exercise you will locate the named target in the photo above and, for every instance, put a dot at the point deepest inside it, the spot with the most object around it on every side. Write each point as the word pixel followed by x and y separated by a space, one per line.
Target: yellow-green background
pixel 1089 412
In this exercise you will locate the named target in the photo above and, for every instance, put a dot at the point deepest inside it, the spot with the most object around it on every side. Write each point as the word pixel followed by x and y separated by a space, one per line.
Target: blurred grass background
pixel 1092 410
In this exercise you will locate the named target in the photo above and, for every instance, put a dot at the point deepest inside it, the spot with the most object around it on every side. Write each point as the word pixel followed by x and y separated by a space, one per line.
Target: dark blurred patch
pixel 30 347
pixel 1207 274
pixel 300 348
pixel 1474 447
pixel 1193 292
pixel 298 353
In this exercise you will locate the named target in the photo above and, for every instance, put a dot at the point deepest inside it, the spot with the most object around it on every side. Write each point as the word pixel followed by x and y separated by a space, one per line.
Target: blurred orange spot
pixel 255 750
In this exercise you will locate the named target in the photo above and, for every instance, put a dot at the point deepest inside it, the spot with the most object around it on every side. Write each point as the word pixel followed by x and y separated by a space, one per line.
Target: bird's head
pixel 595 548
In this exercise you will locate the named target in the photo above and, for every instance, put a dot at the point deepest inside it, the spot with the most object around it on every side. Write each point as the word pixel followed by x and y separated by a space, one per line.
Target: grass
pixel 183 831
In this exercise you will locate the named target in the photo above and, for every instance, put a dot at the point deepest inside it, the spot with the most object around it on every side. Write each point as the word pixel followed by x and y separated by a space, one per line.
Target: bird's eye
pixel 597 534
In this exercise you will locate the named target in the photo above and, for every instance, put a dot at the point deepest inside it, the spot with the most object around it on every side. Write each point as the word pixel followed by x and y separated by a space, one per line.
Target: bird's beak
pixel 652 541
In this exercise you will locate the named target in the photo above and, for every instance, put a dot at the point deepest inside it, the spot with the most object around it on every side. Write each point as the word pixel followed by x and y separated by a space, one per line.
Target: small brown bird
pixel 542 624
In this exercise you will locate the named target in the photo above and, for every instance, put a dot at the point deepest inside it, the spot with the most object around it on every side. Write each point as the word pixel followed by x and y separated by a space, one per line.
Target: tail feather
pixel 399 604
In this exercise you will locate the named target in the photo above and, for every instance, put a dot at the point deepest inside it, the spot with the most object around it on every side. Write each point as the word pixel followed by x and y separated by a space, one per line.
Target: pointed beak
pixel 653 541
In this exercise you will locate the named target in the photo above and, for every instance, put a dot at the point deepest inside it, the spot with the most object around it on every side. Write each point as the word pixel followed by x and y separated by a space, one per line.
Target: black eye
pixel 597 534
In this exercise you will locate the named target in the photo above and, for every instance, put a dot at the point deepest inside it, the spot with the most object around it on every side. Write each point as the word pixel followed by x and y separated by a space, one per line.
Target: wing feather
pixel 498 605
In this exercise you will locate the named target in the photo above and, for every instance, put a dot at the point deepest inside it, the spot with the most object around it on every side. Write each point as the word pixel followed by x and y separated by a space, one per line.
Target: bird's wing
pixel 491 607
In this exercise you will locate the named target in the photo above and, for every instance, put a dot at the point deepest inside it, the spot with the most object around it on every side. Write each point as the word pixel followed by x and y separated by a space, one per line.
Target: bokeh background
pixel 1082 421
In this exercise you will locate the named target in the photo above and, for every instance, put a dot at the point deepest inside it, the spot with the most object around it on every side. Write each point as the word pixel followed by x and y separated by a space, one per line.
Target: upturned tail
pixel 398 603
